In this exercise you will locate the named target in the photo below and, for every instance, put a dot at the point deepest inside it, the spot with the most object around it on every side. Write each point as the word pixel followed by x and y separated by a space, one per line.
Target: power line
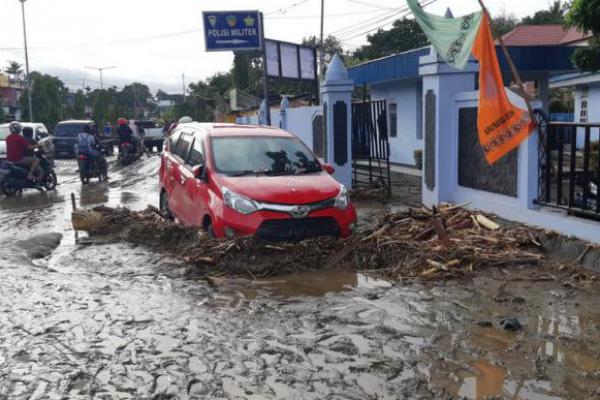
pixel 380 23
pixel 283 10
pixel 364 3
pixel 327 16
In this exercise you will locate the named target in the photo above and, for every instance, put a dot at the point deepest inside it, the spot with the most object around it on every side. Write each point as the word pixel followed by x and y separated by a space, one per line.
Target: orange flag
pixel 501 125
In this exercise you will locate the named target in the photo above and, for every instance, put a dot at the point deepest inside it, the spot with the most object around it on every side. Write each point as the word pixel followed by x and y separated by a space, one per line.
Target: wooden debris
pixel 442 243
pixel 487 223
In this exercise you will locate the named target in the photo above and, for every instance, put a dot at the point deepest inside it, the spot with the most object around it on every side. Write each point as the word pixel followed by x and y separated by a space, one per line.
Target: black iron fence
pixel 370 145
pixel 569 159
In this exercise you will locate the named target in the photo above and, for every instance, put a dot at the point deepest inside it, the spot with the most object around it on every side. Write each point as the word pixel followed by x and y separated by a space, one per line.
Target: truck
pixel 151 134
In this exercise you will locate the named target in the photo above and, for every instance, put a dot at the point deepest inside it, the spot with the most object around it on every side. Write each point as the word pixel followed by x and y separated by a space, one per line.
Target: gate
pixel 370 145
pixel 569 166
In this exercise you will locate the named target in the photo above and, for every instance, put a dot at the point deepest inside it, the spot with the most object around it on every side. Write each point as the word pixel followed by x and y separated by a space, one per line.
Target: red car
pixel 236 180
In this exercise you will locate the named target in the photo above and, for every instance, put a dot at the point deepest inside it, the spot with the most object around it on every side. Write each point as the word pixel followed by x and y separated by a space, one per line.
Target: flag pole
pixel 511 64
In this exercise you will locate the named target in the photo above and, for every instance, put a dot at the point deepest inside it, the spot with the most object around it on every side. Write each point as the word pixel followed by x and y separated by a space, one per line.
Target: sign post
pixel 232 30
pixel 264 71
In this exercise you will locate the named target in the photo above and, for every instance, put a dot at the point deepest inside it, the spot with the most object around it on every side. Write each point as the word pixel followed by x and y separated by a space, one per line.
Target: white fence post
pixel 336 97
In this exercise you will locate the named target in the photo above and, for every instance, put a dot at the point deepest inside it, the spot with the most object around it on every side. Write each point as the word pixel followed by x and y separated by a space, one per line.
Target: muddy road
pixel 116 321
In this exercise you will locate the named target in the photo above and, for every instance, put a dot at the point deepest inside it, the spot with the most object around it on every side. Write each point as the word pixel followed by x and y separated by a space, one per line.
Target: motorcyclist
pixel 16 147
pixel 87 145
pixel 28 135
pixel 125 134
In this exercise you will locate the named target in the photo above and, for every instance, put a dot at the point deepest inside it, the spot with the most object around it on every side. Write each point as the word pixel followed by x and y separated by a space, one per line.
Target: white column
pixel 285 104
pixel 336 98
pixel 441 83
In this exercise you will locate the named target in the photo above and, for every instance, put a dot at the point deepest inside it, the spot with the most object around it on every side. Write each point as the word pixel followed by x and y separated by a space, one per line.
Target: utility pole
pixel 321 49
pixel 183 85
pixel 100 69
pixel 27 62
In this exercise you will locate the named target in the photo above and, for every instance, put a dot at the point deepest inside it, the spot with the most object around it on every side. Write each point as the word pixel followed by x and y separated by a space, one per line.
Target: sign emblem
pixel 249 21
pixel 231 20
pixel 212 19
pixel 300 211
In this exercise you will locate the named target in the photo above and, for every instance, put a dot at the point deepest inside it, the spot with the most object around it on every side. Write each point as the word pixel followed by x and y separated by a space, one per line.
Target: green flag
pixel 452 37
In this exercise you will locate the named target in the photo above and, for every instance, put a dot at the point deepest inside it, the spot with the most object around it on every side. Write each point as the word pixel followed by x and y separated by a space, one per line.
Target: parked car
pixel 152 135
pixel 236 180
pixel 65 136
pixel 39 132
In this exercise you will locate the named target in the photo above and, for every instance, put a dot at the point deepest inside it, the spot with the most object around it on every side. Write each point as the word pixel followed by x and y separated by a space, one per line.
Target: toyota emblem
pixel 300 211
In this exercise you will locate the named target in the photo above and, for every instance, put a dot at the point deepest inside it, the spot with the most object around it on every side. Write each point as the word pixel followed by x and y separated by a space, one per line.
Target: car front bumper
pixel 273 226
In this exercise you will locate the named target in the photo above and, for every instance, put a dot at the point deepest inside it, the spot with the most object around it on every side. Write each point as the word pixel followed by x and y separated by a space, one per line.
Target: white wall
pixel 300 121
pixel 593 98
pixel 408 96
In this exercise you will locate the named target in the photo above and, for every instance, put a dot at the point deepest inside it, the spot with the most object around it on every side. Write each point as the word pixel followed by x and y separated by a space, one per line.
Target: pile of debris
pixel 446 242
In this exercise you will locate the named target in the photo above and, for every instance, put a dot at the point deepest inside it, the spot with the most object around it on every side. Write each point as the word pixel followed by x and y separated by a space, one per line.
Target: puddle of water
pixel 319 283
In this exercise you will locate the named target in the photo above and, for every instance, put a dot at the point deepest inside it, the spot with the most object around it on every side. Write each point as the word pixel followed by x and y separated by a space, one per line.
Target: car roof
pixel 76 121
pixel 228 129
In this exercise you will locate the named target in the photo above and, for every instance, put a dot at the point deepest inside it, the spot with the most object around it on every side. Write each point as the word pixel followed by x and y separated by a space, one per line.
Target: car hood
pixel 303 189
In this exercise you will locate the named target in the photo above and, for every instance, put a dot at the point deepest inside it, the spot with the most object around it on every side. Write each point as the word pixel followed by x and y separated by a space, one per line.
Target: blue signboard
pixel 232 30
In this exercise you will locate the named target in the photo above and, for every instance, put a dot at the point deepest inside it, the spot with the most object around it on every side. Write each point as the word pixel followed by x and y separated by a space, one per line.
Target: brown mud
pixel 118 320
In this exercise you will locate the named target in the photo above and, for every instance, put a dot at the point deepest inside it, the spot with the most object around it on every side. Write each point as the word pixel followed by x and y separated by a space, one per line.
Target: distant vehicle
pixel 235 180
pixel 39 133
pixel 129 153
pixel 152 135
pixel 89 168
pixel 65 136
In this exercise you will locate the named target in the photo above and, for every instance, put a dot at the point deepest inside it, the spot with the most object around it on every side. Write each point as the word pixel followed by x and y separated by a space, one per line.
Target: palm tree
pixel 15 70
pixel 554 14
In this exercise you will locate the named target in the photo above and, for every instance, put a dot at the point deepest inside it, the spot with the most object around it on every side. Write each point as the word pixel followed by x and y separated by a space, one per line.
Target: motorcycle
pixel 91 168
pixel 13 179
pixel 127 153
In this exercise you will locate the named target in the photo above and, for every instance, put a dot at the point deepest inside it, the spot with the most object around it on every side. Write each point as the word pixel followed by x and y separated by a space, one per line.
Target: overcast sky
pixel 155 42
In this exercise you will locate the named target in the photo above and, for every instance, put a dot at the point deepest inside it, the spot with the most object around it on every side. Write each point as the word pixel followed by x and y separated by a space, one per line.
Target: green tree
pixel 133 100
pixel 504 23
pixel 405 35
pixel 47 99
pixel 555 14
pixel 15 69
pixel 585 16
pixel 331 46
pixel 79 103
pixel 240 74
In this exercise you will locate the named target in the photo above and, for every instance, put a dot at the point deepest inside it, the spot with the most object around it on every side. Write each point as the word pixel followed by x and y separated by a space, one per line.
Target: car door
pixel 168 163
pixel 177 196
pixel 196 189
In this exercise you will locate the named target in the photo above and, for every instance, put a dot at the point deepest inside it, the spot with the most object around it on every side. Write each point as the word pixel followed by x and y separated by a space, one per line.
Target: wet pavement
pixel 117 321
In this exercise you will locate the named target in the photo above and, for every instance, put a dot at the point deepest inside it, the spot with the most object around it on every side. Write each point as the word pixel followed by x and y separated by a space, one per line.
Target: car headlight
pixel 342 199
pixel 238 202
pixel 594 188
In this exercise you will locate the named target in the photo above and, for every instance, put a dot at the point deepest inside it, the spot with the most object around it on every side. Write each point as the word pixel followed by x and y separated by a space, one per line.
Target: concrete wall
pixel 299 121
pixel 408 96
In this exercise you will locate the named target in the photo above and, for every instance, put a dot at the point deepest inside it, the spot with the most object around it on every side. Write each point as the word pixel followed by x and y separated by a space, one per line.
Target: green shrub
pixel 418 155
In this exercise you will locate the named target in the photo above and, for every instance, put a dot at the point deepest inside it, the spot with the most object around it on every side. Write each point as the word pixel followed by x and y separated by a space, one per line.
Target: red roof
pixel 543 35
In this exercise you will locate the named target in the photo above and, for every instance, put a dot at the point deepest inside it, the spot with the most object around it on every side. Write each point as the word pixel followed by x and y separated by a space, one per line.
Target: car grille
pixel 297 229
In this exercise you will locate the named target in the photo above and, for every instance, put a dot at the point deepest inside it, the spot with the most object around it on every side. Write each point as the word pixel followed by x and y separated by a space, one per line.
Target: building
pixel 540 51
pixel 10 96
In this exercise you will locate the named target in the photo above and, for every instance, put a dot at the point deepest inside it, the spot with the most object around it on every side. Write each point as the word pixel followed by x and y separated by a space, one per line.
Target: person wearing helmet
pixel 28 135
pixel 16 148
pixel 124 132
pixel 107 129
pixel 88 145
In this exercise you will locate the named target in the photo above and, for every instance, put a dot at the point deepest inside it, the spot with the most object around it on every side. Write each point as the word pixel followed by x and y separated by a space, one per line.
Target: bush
pixel 418 155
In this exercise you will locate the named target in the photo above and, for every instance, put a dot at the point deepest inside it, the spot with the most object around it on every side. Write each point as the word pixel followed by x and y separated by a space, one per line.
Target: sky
pixel 159 42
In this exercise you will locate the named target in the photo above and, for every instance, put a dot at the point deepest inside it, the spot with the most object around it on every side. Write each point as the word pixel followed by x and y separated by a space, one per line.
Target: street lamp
pixel 27 61
pixel 100 69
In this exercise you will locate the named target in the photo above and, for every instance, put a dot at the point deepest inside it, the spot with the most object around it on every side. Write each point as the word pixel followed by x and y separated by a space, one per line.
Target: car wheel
pixel 50 181
pixel 164 206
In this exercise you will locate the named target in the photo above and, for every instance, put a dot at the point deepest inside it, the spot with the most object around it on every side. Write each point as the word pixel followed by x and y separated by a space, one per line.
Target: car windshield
pixel 238 156
pixel 68 130
pixel 4 132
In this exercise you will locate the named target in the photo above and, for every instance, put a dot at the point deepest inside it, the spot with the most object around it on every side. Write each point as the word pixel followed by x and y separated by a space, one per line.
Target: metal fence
pixel 569 160
pixel 370 145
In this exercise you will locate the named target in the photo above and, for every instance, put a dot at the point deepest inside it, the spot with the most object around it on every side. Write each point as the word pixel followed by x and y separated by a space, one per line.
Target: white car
pixel 39 132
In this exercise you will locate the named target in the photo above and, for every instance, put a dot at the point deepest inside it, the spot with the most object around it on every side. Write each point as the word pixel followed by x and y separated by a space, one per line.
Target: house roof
pixel 543 35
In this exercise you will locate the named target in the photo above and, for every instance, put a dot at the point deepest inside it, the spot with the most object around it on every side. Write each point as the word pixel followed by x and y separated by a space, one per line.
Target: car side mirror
pixel 329 168
pixel 198 171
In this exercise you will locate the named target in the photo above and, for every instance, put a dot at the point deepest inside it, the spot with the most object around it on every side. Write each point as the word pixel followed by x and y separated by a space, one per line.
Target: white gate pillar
pixel 336 98
pixel 441 84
